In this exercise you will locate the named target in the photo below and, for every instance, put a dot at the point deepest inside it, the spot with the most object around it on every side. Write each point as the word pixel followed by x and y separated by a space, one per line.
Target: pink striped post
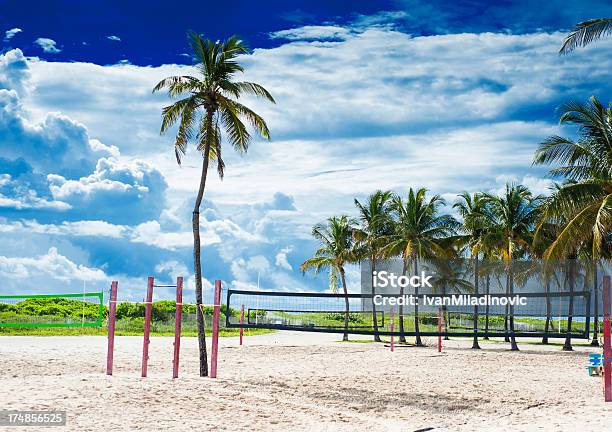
pixel 241 324
pixel 112 314
pixel 391 326
pixel 607 340
pixel 178 316
pixel 147 326
pixel 215 330
pixel 439 330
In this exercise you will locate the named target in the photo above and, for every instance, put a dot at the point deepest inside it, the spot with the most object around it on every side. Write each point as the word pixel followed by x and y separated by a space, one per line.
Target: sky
pixel 452 96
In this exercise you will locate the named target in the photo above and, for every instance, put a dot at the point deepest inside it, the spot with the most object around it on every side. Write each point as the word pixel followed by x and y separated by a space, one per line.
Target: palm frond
pixel 586 32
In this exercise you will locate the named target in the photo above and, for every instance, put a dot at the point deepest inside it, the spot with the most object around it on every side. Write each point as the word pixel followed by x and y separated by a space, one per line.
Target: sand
pixel 304 381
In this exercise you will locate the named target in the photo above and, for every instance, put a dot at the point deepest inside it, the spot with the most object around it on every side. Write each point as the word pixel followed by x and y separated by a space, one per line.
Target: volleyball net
pixel 52 310
pixel 533 314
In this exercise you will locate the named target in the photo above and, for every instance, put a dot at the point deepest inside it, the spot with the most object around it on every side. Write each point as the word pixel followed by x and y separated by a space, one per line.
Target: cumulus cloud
pixel 10 34
pixel 47 45
pixel 52 264
pixel 281 258
pixel 114 38
pixel 57 166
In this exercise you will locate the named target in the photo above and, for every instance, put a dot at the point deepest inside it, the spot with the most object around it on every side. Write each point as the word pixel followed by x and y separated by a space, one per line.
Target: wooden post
pixel 147 326
pixel 178 316
pixel 241 323
pixel 439 330
pixel 607 354
pixel 391 326
pixel 215 330
pixel 112 314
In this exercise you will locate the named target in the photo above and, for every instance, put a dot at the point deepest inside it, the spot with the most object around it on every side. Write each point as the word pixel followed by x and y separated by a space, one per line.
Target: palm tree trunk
pixel 486 332
pixel 402 336
pixel 513 344
pixel 374 318
pixel 445 314
pixel 416 309
pixel 346 305
pixel 197 264
pixel 595 341
pixel 547 324
pixel 475 341
pixel 567 346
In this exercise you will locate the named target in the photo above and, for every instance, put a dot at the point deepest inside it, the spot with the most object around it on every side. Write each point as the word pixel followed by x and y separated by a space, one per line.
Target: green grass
pixel 128 327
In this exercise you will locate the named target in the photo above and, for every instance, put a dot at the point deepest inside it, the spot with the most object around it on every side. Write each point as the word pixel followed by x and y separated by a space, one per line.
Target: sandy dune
pixel 303 381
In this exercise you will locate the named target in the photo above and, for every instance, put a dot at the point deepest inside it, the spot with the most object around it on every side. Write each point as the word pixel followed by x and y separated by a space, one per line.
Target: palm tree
pixel 515 213
pixel 476 228
pixel 208 106
pixel 376 226
pixel 336 239
pixel 419 232
pixel 451 276
pixel 584 200
pixel 586 32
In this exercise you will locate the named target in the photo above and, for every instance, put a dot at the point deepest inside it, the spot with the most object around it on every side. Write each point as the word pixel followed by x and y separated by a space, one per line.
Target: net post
pixel 607 351
pixel 112 313
pixel 439 330
pixel 241 324
pixel 147 326
pixel 178 316
pixel 215 330
pixel 391 326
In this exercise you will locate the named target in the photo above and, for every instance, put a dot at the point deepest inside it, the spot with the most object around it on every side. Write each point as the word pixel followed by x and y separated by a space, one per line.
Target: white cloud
pixel 52 265
pixel 10 34
pixel 312 33
pixel 114 38
pixel 281 258
pixel 47 45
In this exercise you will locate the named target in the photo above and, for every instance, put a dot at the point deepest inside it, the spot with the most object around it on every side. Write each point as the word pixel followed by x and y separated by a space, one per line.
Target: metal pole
pixel 241 324
pixel 112 312
pixel 439 330
pixel 178 316
pixel 607 352
pixel 391 326
pixel 215 330
pixel 147 326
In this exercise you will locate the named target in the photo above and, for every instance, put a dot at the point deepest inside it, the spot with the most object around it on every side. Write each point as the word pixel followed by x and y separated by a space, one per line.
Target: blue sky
pixel 453 96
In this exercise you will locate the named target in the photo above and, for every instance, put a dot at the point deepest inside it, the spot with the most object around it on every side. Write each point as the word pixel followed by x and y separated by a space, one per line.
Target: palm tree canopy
pixel 477 222
pixel 336 240
pixel 583 203
pixel 375 224
pixel 208 102
pixel 420 231
pixel 586 32
pixel 515 213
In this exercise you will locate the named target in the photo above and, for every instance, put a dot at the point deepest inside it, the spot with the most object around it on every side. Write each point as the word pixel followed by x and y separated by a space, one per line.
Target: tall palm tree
pixel 419 232
pixel 515 213
pixel 336 240
pixel 584 200
pixel 586 32
pixel 476 230
pixel 208 112
pixel 370 236
pixel 451 276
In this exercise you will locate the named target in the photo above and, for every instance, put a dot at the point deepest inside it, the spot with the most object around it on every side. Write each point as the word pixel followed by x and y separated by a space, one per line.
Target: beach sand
pixel 289 381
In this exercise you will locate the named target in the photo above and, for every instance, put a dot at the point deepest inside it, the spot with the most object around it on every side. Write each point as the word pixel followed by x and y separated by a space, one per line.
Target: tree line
pixel 572 222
